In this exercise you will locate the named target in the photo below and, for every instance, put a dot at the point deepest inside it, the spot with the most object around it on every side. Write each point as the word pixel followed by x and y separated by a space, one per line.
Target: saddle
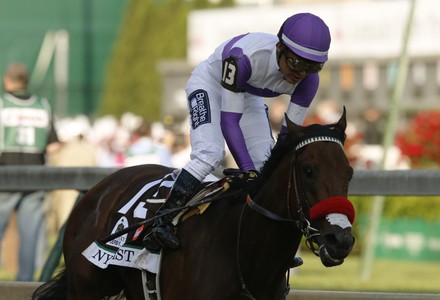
pixel 210 192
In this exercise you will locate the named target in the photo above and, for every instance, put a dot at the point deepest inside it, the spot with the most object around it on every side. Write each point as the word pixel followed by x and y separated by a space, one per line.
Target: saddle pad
pixel 124 250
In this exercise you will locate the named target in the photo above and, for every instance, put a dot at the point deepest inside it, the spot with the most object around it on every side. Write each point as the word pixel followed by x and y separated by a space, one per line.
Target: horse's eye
pixel 308 172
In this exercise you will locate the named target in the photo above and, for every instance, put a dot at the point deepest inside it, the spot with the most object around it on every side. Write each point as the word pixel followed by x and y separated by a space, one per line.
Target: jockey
pixel 226 104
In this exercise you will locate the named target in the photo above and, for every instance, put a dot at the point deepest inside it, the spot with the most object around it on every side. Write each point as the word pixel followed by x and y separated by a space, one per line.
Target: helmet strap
pixel 281 52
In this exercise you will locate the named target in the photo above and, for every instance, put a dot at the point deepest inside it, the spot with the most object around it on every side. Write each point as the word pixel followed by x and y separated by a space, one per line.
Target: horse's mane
pixel 288 143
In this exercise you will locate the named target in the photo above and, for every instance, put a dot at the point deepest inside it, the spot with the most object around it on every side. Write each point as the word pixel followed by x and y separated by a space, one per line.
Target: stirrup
pixel 161 236
pixel 151 244
pixel 296 262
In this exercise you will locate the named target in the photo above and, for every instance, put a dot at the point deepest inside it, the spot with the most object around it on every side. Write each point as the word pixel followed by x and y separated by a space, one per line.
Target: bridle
pixel 303 224
pixel 310 233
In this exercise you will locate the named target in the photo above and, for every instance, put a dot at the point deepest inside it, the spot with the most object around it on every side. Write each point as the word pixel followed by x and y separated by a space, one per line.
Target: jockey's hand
pixel 250 175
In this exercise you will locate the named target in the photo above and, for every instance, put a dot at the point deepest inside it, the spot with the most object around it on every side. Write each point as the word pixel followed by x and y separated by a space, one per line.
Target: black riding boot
pixel 162 234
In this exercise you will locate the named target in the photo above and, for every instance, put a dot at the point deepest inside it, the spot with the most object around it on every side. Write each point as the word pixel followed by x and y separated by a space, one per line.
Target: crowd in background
pixel 127 141
pixel 133 140
pixel 130 139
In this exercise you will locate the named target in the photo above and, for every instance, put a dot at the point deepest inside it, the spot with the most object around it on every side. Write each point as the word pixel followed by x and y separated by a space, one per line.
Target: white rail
pixel 365 182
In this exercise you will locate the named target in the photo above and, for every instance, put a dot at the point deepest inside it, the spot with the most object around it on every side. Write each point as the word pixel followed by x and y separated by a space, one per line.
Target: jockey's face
pixel 294 67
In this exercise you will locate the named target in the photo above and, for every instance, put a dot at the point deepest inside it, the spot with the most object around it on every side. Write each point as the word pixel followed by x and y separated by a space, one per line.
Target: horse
pixel 242 245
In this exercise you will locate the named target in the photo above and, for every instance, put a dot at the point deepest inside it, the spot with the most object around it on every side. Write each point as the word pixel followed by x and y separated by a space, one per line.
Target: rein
pixel 268 214
pixel 158 216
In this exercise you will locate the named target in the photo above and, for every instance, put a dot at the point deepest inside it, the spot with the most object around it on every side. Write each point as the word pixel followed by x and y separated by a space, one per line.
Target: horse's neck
pixel 277 193
pixel 266 248
pixel 277 196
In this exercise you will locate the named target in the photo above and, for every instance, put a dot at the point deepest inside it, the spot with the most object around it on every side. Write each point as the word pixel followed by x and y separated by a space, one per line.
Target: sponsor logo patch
pixel 120 225
pixel 199 108
pixel 138 232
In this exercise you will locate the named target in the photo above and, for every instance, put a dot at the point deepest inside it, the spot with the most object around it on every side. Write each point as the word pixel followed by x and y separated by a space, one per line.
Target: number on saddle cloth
pixel 144 204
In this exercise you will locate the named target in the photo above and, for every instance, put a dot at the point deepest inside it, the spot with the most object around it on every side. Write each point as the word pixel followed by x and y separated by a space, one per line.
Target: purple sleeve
pixel 235 140
pixel 306 90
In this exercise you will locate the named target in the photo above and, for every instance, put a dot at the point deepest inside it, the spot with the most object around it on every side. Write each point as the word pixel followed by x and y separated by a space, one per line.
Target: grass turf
pixel 386 276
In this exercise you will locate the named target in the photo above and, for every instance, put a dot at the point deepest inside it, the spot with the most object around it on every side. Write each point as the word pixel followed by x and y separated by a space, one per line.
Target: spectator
pixel 76 152
pixel 143 149
pixel 28 134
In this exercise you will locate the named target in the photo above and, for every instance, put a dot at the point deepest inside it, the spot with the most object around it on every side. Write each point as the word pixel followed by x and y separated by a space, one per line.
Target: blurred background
pixel 112 68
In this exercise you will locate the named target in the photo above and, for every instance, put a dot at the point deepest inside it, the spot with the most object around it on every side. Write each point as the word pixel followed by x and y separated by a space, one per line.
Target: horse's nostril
pixel 330 239
pixel 339 240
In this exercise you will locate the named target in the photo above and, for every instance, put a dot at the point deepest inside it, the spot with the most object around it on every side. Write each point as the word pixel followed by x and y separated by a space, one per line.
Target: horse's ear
pixel 342 123
pixel 292 128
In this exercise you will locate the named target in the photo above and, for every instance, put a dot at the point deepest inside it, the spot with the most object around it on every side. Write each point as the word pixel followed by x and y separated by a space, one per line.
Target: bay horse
pixel 242 245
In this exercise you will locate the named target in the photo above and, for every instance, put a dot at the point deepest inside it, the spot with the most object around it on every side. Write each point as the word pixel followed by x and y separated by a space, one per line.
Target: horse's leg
pixel 85 287
pixel 88 282
pixel 132 284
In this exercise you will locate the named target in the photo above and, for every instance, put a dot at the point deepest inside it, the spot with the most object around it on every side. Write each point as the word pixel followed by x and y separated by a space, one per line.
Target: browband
pixel 318 139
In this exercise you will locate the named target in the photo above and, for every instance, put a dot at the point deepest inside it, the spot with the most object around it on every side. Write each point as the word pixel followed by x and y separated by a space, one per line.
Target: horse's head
pixel 321 176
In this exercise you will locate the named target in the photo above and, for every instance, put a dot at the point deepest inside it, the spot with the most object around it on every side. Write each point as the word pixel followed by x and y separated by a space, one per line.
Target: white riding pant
pixel 207 142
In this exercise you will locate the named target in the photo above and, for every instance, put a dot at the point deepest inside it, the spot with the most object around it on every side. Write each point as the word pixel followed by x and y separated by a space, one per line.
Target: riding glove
pixel 250 175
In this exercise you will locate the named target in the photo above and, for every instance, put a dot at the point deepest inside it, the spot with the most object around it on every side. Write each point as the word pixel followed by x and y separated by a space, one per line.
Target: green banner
pixel 408 239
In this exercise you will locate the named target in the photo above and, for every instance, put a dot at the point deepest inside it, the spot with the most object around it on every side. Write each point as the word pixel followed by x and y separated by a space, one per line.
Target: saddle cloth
pixel 126 250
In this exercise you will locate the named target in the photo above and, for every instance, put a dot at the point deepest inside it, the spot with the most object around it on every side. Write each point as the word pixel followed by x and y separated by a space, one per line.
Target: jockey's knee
pixel 201 168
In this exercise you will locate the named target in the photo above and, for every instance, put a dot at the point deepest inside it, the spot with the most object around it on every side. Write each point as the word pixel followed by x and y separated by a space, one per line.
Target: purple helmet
pixel 307 36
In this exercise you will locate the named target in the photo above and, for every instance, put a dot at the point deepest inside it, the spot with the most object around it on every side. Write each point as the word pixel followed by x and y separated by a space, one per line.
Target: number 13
pixel 229 71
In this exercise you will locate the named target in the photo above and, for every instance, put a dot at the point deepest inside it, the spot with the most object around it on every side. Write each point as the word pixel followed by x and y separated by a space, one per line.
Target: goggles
pixel 297 64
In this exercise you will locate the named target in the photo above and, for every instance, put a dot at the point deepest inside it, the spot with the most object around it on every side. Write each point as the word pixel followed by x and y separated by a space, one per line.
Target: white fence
pixel 365 182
